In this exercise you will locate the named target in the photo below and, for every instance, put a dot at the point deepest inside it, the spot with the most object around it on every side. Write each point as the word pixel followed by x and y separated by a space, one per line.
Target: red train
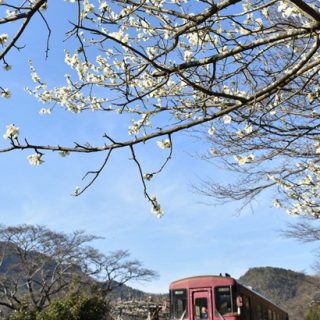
pixel 219 298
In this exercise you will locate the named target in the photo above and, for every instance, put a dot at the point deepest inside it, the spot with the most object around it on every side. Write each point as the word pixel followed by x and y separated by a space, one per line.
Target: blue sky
pixel 192 238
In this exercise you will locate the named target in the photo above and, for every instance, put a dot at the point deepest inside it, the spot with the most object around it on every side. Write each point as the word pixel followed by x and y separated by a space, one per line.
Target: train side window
pixel 247 303
pixel 179 303
pixel 265 314
pixel 259 312
pixel 246 307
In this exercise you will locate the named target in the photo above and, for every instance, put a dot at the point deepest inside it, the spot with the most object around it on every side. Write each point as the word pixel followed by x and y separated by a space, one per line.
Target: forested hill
pixel 293 291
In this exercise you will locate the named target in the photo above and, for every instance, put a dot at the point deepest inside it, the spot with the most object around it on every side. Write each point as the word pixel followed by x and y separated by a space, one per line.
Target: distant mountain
pixel 292 291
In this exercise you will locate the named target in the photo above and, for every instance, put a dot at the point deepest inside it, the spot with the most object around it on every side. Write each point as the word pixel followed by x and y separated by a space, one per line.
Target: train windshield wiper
pixel 183 314
pixel 219 314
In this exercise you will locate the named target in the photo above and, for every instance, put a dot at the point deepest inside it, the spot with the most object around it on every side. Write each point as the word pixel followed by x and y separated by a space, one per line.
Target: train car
pixel 219 298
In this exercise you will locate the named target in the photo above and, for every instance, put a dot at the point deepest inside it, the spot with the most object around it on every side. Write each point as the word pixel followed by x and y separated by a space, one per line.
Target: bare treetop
pixel 38 264
pixel 243 74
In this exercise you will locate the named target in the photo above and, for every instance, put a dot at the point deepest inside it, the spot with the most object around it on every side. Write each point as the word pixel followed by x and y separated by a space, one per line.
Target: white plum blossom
pixel 287 9
pixel 259 22
pixel 35 77
pixel 12 132
pixel 35 159
pixel 148 176
pixel 265 12
pixel 214 151
pixel 119 35
pixel 72 61
pixel 88 7
pixel 246 5
pixel 243 160
pixel 227 119
pixel 136 126
pixel 44 111
pixel 3 38
pixel 211 131
pixel 10 13
pixel 248 129
pixel 317 145
pixel 44 7
pixel 187 55
pixel 156 208
pixel 6 93
pixel 239 133
pixel 103 6
pixel 77 191
pixel 164 144
pixel 277 203
pixel 64 153
pixel 7 67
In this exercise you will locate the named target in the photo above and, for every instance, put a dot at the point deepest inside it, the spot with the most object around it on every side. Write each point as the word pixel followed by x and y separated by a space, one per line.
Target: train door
pixel 202 304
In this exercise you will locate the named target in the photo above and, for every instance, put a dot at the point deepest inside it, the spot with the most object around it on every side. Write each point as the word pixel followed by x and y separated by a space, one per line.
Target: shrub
pixel 76 306
pixel 314 313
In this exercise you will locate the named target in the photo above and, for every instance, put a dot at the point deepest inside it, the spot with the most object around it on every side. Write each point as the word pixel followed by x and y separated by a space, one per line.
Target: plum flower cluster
pixel 287 9
pixel 303 193
pixel 243 160
pixel 164 144
pixel 5 93
pixel 156 208
pixel 3 38
pixel 136 126
pixel 35 159
pixel 247 75
pixel 12 132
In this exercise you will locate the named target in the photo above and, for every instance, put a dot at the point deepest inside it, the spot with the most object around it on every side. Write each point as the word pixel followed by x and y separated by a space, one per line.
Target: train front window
pixel 201 308
pixel 178 303
pixel 225 300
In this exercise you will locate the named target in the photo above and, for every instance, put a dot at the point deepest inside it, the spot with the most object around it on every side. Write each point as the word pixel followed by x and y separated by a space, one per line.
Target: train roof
pixel 203 280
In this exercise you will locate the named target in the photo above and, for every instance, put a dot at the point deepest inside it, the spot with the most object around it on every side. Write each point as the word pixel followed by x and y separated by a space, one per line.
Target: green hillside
pixel 293 291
